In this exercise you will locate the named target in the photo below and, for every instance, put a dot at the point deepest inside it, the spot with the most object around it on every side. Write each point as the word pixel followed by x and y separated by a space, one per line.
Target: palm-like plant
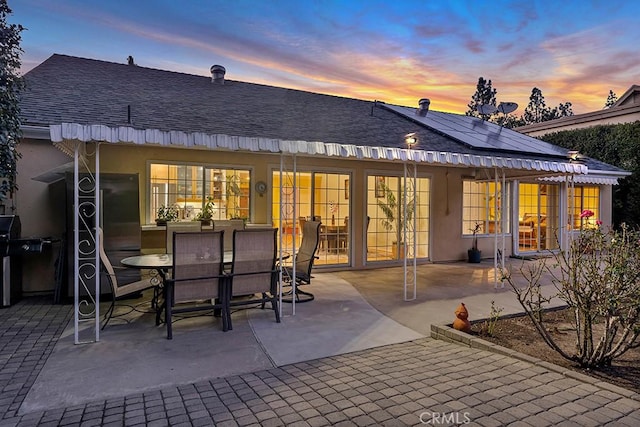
pixel 394 209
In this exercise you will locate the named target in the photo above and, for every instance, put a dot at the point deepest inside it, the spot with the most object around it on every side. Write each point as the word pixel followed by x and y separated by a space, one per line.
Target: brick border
pixel 448 334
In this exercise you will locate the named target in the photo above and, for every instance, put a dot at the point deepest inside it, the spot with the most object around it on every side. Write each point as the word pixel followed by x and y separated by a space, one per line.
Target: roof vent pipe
pixel 217 74
pixel 423 107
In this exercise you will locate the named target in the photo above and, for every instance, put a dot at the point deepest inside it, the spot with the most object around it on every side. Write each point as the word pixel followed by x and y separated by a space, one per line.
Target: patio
pixel 352 311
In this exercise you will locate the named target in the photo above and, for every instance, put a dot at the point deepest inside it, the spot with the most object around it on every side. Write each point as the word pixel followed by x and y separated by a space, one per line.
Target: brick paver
pixel 404 384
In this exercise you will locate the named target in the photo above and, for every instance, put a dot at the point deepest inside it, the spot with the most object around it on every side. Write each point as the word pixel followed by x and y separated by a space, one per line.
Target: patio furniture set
pixel 215 271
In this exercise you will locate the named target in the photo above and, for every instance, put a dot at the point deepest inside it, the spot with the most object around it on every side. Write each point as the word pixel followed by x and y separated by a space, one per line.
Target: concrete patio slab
pixel 135 357
pixel 338 321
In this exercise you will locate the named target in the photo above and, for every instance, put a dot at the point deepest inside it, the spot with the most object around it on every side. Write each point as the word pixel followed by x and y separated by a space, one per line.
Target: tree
pixel 598 278
pixel 11 84
pixel 564 110
pixel 611 100
pixel 509 121
pixel 485 94
pixel 537 110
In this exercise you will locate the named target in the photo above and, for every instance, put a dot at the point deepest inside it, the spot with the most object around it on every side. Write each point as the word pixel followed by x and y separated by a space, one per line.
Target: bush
pixel 598 277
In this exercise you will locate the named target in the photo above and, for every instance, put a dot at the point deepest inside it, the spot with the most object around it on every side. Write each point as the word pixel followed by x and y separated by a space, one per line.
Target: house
pixel 276 156
pixel 625 110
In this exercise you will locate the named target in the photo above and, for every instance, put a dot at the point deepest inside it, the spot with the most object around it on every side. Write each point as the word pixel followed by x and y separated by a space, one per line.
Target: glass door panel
pixel 539 214
pixel 318 196
pixel 386 217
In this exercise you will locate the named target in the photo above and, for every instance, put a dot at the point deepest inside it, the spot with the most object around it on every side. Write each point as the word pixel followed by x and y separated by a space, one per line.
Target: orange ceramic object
pixel 461 321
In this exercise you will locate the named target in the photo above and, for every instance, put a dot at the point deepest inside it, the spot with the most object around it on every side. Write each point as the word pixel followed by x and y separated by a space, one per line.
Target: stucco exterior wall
pixel 41 208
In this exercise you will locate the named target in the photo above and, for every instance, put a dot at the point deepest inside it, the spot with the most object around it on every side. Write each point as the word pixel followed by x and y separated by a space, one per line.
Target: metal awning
pixel 197 140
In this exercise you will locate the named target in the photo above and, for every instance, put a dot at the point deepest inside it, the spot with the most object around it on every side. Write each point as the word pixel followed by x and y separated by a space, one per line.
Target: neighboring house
pixel 273 155
pixel 625 110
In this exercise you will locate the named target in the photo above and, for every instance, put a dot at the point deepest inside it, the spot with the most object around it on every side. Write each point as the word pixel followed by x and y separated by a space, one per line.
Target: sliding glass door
pixel 316 196
pixel 539 216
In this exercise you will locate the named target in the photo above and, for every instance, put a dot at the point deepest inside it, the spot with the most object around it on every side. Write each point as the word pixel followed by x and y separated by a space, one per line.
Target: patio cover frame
pixel 71 138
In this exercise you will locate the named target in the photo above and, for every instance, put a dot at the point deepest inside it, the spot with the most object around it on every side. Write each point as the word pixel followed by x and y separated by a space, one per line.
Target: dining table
pixel 334 235
pixel 162 264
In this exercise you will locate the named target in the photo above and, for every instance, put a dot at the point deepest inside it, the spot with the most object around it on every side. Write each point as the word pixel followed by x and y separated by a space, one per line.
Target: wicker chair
pixel 253 270
pixel 304 263
pixel 198 282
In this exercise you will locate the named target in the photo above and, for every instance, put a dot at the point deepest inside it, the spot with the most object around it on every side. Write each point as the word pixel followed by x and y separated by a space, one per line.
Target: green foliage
pixel 167 213
pixel 393 209
pixel 618 145
pixel 611 100
pixel 11 84
pixel 598 278
pixel 535 112
pixel 233 193
pixel 485 95
pixel 488 327
pixel 207 210
pixel 475 230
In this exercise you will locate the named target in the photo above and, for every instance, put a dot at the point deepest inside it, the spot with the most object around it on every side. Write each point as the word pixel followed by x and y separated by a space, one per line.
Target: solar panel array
pixel 480 134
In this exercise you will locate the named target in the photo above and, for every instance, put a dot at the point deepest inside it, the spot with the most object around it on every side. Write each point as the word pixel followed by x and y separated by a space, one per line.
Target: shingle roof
pixel 67 89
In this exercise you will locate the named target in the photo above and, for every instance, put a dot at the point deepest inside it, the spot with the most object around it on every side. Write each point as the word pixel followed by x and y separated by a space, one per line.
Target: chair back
pixel 181 227
pixel 106 264
pixel 307 251
pixel 254 261
pixel 229 226
pixel 197 265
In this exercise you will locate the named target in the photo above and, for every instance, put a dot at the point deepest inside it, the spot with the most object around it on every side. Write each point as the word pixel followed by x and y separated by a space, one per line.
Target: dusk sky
pixel 392 51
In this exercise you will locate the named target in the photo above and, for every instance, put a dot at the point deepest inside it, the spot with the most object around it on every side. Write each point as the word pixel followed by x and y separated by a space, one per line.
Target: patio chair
pixel 304 263
pixel 118 290
pixel 228 225
pixel 197 282
pixel 254 276
pixel 180 226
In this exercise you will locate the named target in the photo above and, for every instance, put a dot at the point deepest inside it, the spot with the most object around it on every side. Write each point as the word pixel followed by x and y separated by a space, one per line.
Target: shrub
pixel 598 277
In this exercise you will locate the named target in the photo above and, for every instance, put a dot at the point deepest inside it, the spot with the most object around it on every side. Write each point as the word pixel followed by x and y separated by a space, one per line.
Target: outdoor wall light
pixel 410 139
pixel 574 156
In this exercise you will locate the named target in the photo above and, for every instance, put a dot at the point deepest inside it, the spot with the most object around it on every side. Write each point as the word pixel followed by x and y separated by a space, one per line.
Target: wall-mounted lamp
pixel 411 139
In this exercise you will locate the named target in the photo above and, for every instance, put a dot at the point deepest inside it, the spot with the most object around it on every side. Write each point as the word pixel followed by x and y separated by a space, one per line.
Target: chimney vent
pixel 423 107
pixel 217 74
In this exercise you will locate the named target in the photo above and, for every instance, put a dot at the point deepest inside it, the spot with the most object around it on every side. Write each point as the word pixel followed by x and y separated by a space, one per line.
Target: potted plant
pixel 206 214
pixel 233 193
pixel 166 214
pixel 391 207
pixel 474 254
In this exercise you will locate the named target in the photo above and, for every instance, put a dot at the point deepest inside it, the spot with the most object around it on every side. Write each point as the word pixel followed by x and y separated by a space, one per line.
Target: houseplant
pixel 233 193
pixel 206 214
pixel 474 254
pixel 166 214
pixel 394 214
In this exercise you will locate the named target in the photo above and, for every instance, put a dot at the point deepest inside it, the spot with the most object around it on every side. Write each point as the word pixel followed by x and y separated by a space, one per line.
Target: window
pixel 187 187
pixel 483 203
pixel 387 197
pixel 584 198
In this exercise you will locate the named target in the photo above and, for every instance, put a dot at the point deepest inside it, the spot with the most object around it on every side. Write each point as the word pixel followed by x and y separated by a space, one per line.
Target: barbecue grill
pixel 12 248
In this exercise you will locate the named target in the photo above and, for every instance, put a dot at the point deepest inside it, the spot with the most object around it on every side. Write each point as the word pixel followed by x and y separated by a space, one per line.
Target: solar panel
pixel 481 134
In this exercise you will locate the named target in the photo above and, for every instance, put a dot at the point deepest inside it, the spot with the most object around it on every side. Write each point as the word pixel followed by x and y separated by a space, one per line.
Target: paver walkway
pixel 422 382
